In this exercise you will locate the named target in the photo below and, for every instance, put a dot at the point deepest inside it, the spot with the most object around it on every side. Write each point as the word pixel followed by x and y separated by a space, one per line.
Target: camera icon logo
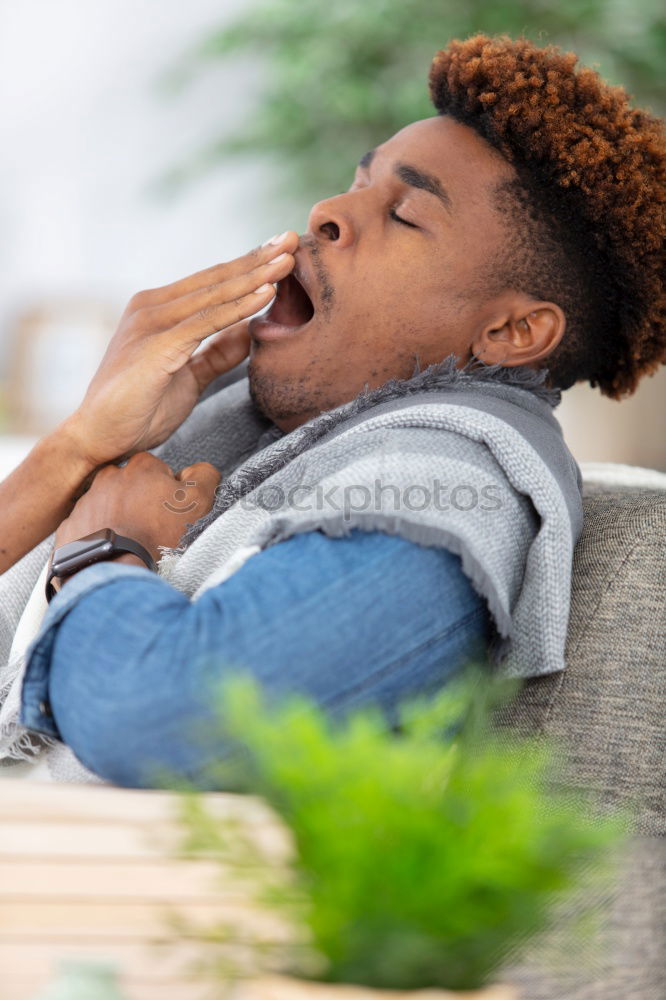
pixel 180 496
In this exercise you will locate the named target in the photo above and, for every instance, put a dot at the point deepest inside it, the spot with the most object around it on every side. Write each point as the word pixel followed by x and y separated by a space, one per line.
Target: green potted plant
pixel 424 855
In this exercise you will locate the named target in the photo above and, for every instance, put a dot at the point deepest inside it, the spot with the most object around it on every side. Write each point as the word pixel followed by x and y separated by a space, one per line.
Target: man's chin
pixel 273 396
pixel 287 400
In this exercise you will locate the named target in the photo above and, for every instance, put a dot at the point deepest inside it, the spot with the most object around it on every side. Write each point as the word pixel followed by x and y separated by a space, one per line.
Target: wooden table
pixel 90 872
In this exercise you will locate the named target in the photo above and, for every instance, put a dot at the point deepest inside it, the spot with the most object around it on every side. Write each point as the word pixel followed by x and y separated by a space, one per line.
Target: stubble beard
pixel 292 399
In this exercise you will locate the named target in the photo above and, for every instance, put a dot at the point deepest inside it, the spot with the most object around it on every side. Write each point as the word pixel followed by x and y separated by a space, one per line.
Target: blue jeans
pixel 124 665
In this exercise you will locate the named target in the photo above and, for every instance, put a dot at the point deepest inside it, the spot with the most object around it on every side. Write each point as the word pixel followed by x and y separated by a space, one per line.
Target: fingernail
pixel 263 289
pixel 279 257
pixel 274 240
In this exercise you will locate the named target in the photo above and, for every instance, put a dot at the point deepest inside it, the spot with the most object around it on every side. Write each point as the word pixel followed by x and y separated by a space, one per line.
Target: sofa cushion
pixel 607 711
pixel 608 705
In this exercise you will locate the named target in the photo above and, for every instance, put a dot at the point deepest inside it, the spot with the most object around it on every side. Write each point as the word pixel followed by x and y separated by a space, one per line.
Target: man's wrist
pixel 126 557
pixel 130 559
pixel 71 435
pixel 67 446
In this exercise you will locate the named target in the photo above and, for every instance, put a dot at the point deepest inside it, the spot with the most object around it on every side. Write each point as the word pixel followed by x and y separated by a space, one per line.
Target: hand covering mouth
pixel 292 305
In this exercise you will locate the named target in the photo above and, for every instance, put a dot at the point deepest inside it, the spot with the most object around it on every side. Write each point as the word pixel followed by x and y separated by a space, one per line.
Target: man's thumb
pixel 223 352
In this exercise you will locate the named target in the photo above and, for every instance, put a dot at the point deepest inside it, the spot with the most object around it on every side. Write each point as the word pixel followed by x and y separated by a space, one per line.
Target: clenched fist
pixel 143 500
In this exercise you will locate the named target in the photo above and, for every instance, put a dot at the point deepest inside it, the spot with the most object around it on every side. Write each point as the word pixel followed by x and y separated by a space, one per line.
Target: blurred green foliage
pixel 336 78
pixel 424 857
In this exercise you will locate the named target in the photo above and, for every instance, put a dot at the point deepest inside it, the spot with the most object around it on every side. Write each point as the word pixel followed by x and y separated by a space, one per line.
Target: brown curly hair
pixel 586 204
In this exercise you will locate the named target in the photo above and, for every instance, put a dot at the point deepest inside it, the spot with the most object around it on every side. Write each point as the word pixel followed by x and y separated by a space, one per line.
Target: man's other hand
pixel 143 500
pixel 150 378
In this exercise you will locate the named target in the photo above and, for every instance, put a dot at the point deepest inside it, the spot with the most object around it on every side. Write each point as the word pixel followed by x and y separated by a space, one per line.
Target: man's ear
pixel 520 334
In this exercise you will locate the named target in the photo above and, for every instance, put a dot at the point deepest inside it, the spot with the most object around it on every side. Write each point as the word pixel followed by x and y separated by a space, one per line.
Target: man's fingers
pixel 202 474
pixel 200 302
pixel 144 459
pixel 140 460
pixel 176 346
pixel 214 275
pixel 222 353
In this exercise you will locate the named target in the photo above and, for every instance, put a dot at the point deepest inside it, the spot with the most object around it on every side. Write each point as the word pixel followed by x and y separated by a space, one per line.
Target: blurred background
pixel 146 139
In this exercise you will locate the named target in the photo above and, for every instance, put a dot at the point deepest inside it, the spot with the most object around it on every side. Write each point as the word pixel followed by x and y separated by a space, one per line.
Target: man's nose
pixel 331 221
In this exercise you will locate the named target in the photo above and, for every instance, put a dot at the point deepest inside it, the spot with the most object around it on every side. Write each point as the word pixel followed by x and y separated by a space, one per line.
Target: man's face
pixel 386 293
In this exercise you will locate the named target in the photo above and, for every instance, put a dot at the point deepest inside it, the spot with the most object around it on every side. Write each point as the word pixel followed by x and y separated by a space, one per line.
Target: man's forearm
pixel 40 493
pixel 147 384
pixel 127 674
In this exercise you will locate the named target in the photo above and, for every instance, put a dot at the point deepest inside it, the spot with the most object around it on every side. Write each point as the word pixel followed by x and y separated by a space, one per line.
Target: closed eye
pixel 398 218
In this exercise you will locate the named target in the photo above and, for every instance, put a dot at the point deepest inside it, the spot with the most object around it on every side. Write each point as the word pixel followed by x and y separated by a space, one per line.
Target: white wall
pixel 84 134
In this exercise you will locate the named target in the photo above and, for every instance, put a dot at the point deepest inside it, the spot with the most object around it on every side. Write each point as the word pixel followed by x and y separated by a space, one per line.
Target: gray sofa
pixel 608 709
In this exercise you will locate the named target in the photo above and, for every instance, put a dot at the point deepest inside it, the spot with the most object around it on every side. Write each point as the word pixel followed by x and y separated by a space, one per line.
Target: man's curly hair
pixel 586 203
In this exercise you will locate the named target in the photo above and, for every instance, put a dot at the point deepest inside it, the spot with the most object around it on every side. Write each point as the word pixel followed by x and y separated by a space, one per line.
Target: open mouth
pixel 292 306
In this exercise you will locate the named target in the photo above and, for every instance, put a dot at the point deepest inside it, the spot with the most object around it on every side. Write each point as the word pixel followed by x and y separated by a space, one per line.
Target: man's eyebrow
pixel 366 160
pixel 427 182
pixel 414 177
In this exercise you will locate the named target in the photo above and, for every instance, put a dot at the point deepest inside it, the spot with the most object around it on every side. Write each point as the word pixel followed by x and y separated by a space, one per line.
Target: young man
pixel 388 492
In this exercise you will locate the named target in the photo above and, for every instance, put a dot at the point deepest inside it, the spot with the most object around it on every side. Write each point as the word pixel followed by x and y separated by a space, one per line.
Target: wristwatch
pixel 96 547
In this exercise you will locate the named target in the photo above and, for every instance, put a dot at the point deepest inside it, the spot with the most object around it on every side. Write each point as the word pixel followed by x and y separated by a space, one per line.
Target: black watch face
pixel 93 546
